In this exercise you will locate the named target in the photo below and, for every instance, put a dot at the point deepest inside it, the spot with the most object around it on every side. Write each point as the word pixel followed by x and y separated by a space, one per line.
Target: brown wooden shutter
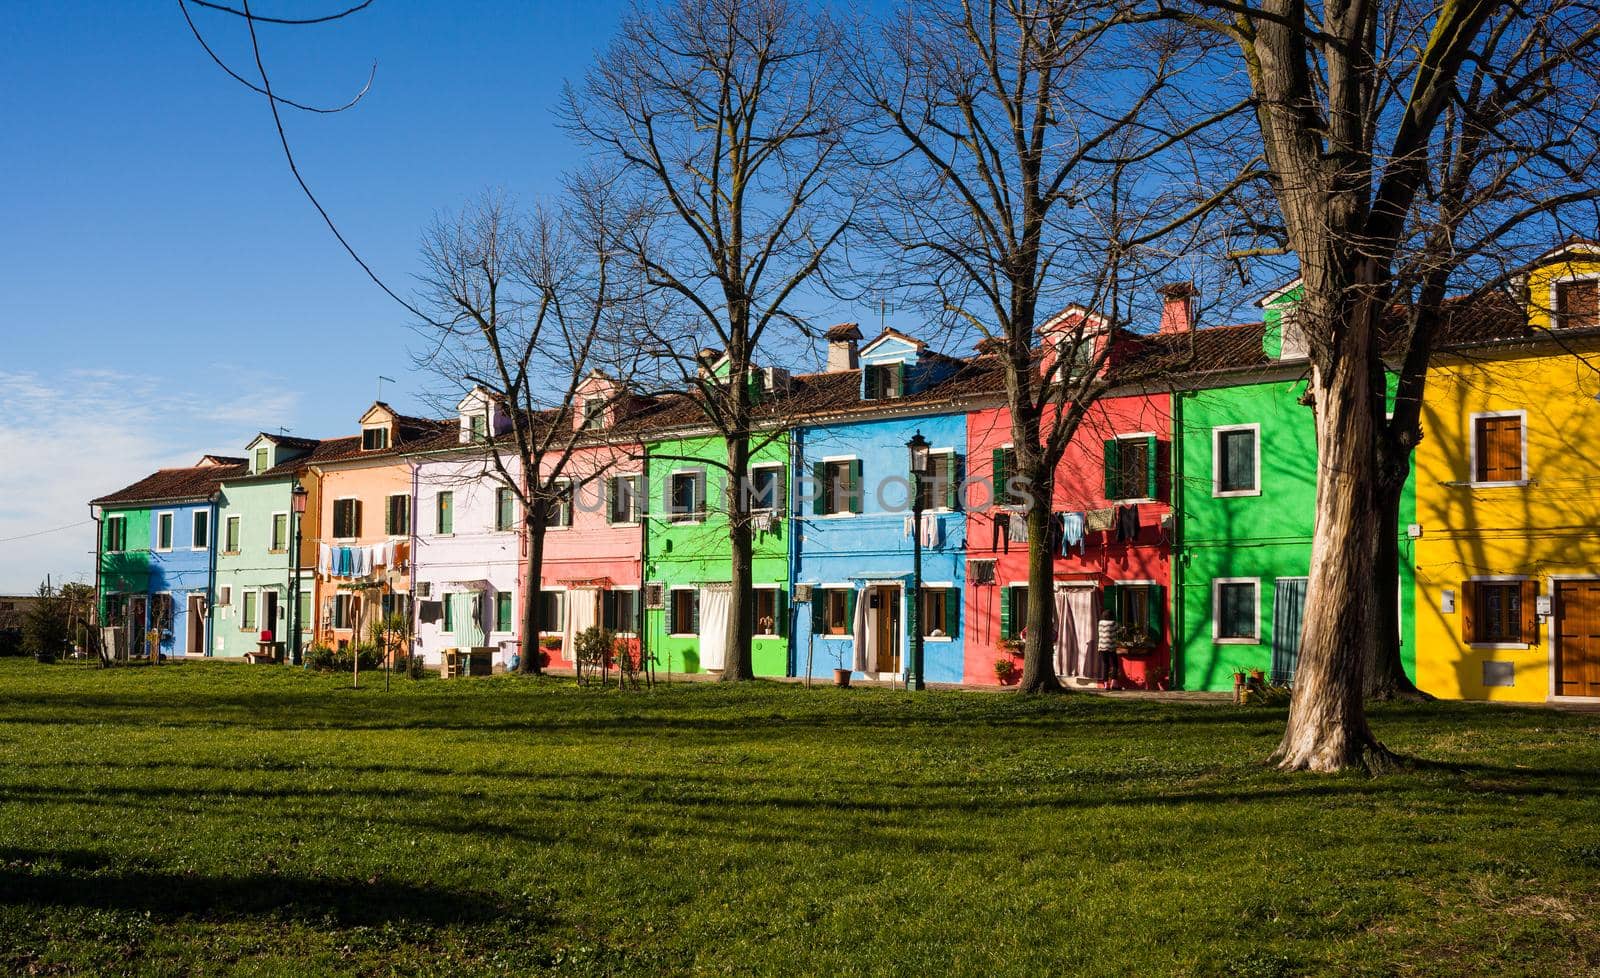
pixel 1577 304
pixel 1469 610
pixel 1530 612
pixel 1499 450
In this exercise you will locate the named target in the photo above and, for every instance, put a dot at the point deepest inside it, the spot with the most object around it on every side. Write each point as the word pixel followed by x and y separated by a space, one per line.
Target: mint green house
pixel 256 548
pixel 1245 471
pixel 688 554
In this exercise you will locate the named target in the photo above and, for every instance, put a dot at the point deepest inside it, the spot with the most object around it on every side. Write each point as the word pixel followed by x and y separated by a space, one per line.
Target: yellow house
pixel 1508 497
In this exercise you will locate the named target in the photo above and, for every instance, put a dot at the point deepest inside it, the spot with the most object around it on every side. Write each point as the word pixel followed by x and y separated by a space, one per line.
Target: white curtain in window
pixel 1077 633
pixel 714 605
pixel 581 615
pixel 864 634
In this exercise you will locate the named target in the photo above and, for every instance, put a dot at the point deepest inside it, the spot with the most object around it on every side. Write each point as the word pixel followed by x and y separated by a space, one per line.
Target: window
pixel 833 611
pixel 622 499
pixel 397 519
pixel 1137 610
pixel 116 534
pixel 502 611
pixel 261 460
pixel 505 508
pixel 1235 604
pixel 766 489
pixel 346 519
pixel 247 618
pixel 1500 612
pixel 345 610
pixel 619 610
pixel 478 425
pixel 885 381
pixel 202 530
pixel 940 612
pixel 164 523
pixel 684 612
pixel 1497 443
pixel 230 535
pixel 1131 467
pixel 559 513
pixel 686 501
pixel 939 489
pixel 1014 612
pixel 550 611
pixel 1236 468
pixel 304 616
pixel 1004 461
pixel 594 413
pixel 1577 304
pixel 374 439
pixel 280 532
pixel 838 486
pixel 444 513
pixel 769 611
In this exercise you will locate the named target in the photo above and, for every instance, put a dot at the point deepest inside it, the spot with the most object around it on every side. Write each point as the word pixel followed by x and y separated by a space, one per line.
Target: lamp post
pixel 297 497
pixel 917 449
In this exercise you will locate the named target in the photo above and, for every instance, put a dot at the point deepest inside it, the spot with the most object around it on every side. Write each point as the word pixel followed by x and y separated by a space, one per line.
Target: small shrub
pixel 319 657
pixel 1004 668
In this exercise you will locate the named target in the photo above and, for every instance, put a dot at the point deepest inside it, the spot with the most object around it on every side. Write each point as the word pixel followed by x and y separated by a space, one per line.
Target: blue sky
pixel 166 291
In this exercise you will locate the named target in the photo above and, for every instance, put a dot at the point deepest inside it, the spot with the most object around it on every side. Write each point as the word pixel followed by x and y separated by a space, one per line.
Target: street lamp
pixel 917 449
pixel 297 498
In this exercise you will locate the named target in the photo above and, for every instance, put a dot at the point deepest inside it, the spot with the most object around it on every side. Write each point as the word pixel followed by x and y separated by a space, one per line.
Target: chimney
pixel 842 340
pixel 1177 307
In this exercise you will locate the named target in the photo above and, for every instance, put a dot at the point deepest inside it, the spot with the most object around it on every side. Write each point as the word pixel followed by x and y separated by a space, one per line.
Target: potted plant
pixel 1005 670
pixel 1131 640
pixel 841 678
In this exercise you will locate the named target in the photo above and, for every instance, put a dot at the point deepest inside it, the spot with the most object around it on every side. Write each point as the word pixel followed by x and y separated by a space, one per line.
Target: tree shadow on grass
pixel 80 879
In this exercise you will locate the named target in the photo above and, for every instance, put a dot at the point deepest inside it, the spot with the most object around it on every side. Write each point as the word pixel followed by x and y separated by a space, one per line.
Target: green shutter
pixel 999 475
pixel 1155 604
pixel 850 611
pixel 869 380
pixel 952 611
pixel 1151 468
pixel 780 613
pixel 1110 600
pixel 1006 595
pixel 608 610
pixel 1113 490
pixel 819 611
pixel 671 614
pixel 694 613
pixel 819 475
pixel 900 377
pixel 952 489
pixel 855 485
pixel 611 500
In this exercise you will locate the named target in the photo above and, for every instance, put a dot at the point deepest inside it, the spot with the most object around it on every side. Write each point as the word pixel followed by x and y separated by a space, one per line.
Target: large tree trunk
pixel 1386 677
pixel 1038 650
pixel 1327 728
pixel 739 663
pixel 532 608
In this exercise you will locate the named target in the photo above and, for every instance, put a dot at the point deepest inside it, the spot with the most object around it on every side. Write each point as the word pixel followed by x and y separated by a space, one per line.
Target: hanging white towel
pixel 324 558
pixel 910 527
pixel 863 638
pixel 931 531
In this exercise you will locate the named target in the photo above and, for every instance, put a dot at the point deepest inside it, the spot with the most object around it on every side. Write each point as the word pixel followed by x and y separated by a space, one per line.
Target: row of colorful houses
pixel 1181 519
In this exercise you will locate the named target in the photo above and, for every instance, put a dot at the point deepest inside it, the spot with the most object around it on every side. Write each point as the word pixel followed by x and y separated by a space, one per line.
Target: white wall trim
pixel 1216 611
pixel 155 531
pixel 1472 453
pixel 1217 492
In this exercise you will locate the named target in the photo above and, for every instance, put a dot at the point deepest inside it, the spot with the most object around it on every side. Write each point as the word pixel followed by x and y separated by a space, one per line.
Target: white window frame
pixel 288 530
pixel 563 616
pixel 497 631
pixel 767 636
pixel 1216 611
pixel 639 492
pixel 782 489
pixel 671 589
pixel 827 460
pixel 1217 492
pixel 234 520
pixel 1153 461
pixel 194 520
pixel 1500 579
pixel 688 519
pixel 1555 284
pixel 171 516
pixel 938 586
pixel 333 516
pixel 1472 448
pixel 941 508
pixel 494 523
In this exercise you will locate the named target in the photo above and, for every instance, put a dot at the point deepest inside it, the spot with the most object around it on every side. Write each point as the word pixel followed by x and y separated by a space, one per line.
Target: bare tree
pixel 1021 141
pixel 1404 143
pixel 526 309
pixel 724 119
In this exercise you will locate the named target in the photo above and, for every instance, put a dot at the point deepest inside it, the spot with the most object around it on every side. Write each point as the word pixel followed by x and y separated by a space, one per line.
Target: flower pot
pixel 841 678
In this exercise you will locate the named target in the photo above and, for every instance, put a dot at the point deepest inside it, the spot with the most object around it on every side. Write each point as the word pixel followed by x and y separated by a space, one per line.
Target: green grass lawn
pixel 205 819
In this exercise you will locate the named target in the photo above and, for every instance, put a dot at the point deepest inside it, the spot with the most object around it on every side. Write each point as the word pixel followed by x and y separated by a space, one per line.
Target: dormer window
pixel 594 413
pixel 885 381
pixel 374 439
pixel 1577 304
pixel 478 424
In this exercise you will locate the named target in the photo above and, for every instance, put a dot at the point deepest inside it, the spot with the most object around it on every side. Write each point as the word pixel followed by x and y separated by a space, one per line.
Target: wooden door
pixel 888 625
pixel 196 644
pixel 1578 638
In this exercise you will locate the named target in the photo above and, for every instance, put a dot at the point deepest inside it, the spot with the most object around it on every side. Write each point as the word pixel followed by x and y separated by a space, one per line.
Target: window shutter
pixel 855 485
pixel 611 500
pixel 1530 612
pixel 1000 475
pixel 819 611
pixel 850 611
pixel 780 612
pixel 780 497
pixel 819 478
pixel 1005 611
pixel 694 612
pixel 355 517
pixel 952 612
pixel 869 377
pixel 900 379
pixel 1469 609
pixel 1111 602
pixel 1154 605
pixel 1112 468
pixel 608 610
pixel 952 489
pixel 1151 468
pixel 672 613
pixel 388 517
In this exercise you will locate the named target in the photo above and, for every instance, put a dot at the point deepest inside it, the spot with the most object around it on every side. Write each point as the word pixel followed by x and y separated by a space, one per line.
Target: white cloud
pixel 86 432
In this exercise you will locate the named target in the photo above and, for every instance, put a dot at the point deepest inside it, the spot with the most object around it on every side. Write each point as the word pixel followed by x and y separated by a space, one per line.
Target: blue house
pixel 854 540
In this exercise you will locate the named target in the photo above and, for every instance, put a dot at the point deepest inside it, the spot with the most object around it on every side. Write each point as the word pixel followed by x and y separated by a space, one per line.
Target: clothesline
pixel 335 561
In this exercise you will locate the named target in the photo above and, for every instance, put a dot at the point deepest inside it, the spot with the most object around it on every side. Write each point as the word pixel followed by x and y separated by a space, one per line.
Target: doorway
pixel 883 605
pixel 195 643
pixel 1577 630
pixel 269 613
pixel 137 606
pixel 1078 654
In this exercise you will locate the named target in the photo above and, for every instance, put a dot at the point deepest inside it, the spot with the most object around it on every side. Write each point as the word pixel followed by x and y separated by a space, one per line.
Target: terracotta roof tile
pixel 173 485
